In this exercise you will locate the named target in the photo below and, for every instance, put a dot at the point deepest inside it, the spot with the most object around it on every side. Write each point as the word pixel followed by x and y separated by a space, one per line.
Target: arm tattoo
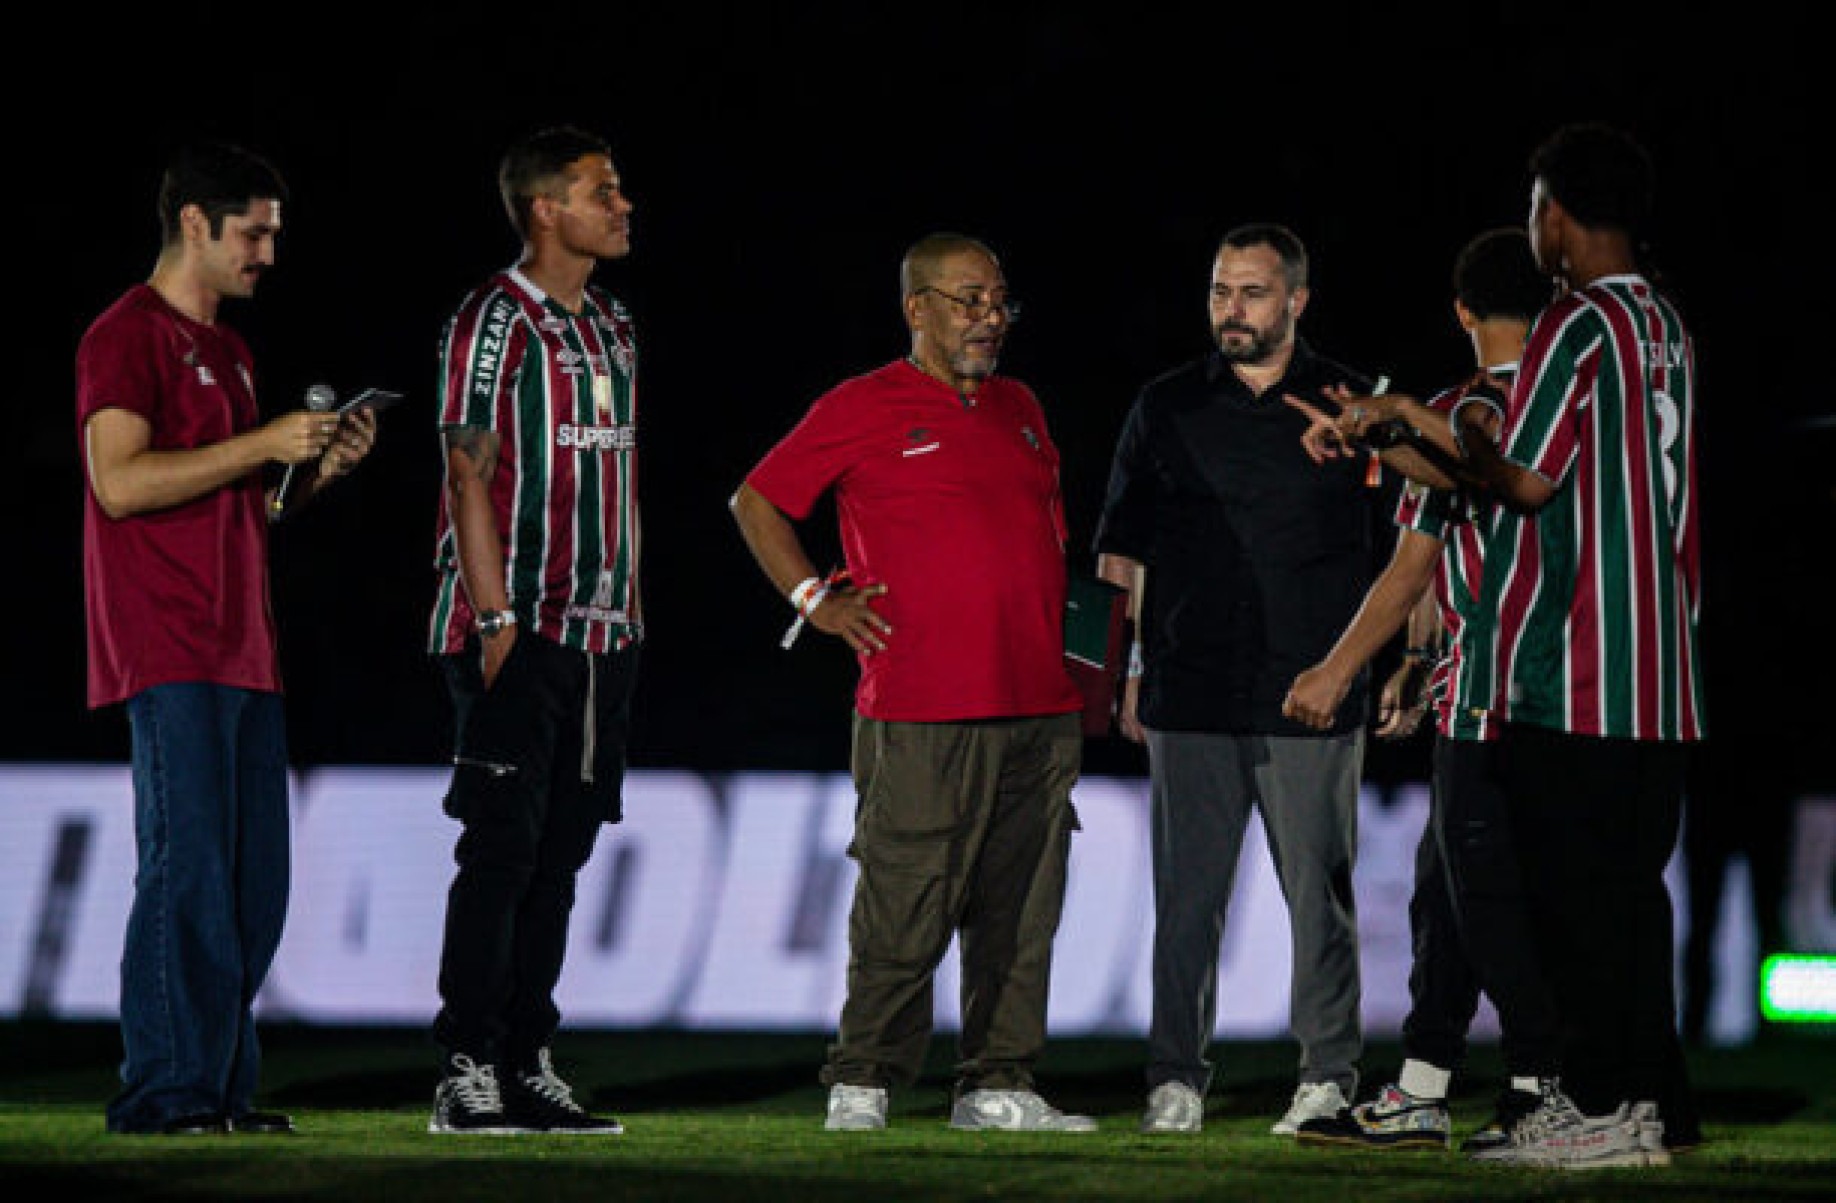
pixel 477 445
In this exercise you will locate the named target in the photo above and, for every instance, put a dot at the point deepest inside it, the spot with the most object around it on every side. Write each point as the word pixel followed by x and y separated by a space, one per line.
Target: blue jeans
pixel 210 898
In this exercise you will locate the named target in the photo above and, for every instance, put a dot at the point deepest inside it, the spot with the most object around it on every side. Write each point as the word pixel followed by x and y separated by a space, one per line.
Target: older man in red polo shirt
pixel 967 735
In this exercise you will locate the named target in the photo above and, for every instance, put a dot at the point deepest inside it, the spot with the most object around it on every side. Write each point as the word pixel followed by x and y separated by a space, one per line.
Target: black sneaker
pixel 467 1101
pixel 537 1100
pixel 262 1123
pixel 202 1123
pixel 1513 1105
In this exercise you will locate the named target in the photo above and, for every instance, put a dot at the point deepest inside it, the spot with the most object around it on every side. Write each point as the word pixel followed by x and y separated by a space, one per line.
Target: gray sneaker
pixel 1312 1100
pixel 1014 1111
pixel 1173 1107
pixel 1530 1135
pixel 856 1108
pixel 1557 1134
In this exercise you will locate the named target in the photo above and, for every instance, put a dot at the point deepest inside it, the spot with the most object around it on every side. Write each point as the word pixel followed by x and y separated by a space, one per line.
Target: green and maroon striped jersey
pixel 1589 608
pixel 558 390
pixel 1457 520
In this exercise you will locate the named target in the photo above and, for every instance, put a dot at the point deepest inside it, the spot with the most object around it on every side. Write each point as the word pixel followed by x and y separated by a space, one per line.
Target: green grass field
pixel 713 1117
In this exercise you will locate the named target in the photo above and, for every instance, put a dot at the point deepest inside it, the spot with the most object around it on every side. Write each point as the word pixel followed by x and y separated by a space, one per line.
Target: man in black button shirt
pixel 1244 561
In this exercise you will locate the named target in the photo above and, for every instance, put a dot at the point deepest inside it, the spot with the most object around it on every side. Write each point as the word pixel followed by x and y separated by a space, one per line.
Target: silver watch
pixel 492 622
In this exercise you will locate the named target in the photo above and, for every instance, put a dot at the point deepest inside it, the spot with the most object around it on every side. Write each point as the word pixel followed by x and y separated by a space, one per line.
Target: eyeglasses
pixel 980 305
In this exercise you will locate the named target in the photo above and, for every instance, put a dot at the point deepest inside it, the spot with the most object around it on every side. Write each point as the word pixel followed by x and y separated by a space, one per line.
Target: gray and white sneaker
pixel 856 1108
pixel 1173 1107
pixel 1531 1135
pixel 1556 1134
pixel 1014 1111
pixel 1312 1100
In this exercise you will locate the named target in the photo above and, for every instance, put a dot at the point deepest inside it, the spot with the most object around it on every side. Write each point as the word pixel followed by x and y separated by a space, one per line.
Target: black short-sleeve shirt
pixel 1257 557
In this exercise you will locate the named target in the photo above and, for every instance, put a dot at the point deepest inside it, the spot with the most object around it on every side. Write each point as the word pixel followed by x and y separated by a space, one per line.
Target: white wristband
pixel 801 593
pixel 1137 665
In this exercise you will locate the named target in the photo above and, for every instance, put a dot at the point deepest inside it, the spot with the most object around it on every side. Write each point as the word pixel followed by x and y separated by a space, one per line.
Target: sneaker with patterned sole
pixel 468 1103
pixel 1557 1135
pixel 537 1099
pixel 1513 1105
pixel 1173 1107
pixel 1014 1111
pixel 856 1108
pixel 1395 1119
pixel 1312 1100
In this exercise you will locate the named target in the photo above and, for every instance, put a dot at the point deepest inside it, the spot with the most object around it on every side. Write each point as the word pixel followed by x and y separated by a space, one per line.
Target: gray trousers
pixel 962 830
pixel 1307 791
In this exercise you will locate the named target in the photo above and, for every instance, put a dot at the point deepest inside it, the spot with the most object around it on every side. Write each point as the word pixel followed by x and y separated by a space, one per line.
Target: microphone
pixel 319 399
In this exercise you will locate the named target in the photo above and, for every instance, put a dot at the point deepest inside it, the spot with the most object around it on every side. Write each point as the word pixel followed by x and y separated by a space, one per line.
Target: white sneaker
pixel 856 1108
pixel 1173 1107
pixel 1312 1100
pixel 1014 1111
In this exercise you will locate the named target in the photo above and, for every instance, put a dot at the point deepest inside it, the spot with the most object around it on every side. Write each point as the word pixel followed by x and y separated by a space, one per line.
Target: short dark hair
pixel 1278 238
pixel 1496 276
pixel 218 177
pixel 918 269
pixel 533 167
pixel 1599 174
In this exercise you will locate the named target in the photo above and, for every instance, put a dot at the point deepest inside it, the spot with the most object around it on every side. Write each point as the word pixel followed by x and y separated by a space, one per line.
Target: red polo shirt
pixel 179 594
pixel 956 509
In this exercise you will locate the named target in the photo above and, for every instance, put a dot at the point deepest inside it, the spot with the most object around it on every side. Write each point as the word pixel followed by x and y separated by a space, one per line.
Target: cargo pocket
pixel 486 775
pixel 481 789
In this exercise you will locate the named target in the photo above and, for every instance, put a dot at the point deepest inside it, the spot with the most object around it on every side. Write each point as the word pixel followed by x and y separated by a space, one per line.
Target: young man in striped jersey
pixel 1584 640
pixel 1468 914
pixel 536 623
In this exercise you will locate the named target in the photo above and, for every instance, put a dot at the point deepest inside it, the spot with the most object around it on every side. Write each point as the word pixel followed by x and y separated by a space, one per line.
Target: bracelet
pixel 1424 654
pixel 809 594
pixel 800 595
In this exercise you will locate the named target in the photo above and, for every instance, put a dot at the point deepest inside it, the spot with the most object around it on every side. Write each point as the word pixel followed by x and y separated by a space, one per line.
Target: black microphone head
pixel 321 397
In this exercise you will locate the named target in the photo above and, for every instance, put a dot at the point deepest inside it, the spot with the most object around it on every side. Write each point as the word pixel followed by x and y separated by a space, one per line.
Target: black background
pixel 781 158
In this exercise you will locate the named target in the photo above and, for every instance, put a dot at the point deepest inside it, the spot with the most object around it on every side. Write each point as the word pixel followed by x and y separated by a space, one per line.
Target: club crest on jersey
pixel 618 344
pixel 205 376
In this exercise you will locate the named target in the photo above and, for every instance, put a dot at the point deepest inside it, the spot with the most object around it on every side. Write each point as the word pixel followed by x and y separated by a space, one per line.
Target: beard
pixel 1251 345
pixel 975 363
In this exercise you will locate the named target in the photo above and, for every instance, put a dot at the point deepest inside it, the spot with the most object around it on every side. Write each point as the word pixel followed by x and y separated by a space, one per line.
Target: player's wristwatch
pixel 492 622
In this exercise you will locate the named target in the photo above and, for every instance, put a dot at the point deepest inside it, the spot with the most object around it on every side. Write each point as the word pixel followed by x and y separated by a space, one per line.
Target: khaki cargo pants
pixel 961 829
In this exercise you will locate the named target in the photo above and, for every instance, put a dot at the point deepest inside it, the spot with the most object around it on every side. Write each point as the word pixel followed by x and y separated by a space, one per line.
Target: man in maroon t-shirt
pixel 181 630
pixel 967 734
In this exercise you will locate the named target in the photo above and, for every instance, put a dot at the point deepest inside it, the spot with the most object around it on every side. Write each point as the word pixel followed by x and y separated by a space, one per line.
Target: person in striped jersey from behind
pixel 1584 643
pixel 536 623
pixel 1468 914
